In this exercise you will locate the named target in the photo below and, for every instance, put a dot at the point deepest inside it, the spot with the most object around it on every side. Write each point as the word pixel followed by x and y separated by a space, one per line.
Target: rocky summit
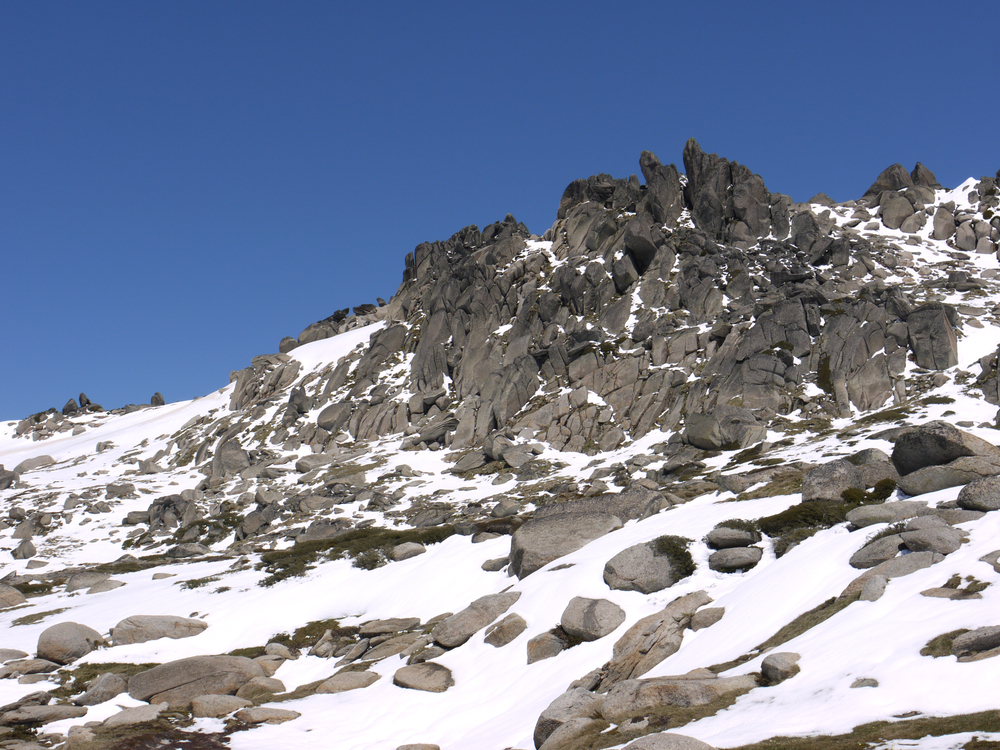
pixel 698 466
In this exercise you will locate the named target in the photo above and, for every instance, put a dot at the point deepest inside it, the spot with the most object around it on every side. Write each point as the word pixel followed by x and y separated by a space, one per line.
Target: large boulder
pixel 10 596
pixel 981 494
pixel 428 676
pixel 142 628
pixel 895 209
pixel 639 568
pixel 575 703
pixel 541 540
pixel 829 481
pixel 35 462
pixel 67 642
pixel 652 639
pixel 458 628
pixel 956 473
pixel 636 698
pixel 735 559
pixel 937 443
pixel 178 682
pixel 590 619
pixel 726 428
pixel 668 741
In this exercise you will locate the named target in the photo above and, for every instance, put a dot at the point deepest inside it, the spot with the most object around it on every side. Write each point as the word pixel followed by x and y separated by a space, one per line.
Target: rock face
pixel 540 541
pixel 457 629
pixel 177 682
pixel 142 628
pixel 67 642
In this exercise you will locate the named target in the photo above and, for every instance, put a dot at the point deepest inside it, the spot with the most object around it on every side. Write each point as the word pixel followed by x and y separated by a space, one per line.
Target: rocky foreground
pixel 699 466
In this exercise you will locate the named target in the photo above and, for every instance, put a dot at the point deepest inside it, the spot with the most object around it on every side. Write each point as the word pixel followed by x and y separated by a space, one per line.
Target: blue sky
pixel 184 183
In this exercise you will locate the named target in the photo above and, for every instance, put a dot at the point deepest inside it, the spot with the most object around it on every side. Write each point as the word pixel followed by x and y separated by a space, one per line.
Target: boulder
pixel 217 706
pixel 573 734
pixel 829 481
pixel 735 559
pixel 137 714
pixel 944 540
pixel 894 568
pixel 178 682
pixel 725 537
pixel 261 689
pixel 67 642
pixel 10 596
pixel 877 552
pixel 873 589
pixel 33 715
pixel 937 443
pixel 981 494
pixel 541 540
pixel 668 741
pixel 638 568
pixel 778 667
pixel 726 428
pixel 428 676
pixel 545 646
pixel 506 630
pixel 636 698
pixel 956 473
pixel 344 681
pixel 980 639
pixel 35 462
pixel 707 617
pixel 458 628
pixel 590 619
pixel 142 628
pixel 868 515
pixel 652 639
pixel 575 703
pixel 895 209
pixel 266 715
pixel 390 625
pixel 944 224
pixel 102 688
pixel 406 550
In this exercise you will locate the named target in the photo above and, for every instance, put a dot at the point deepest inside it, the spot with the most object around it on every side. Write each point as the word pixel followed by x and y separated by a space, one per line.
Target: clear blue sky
pixel 184 183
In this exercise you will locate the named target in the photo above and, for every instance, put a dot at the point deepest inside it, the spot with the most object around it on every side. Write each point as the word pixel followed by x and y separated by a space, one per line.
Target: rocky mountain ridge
pixel 692 351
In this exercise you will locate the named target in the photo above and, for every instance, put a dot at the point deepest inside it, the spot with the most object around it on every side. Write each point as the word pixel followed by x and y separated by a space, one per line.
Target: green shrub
pixel 786 542
pixel 817 515
pixel 882 490
pixel 370 559
pixel 890 530
pixel 675 549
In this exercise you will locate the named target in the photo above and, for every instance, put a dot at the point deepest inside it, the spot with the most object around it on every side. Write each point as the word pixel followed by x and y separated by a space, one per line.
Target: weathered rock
pixel 868 515
pixel 937 443
pixel 980 639
pixel 102 688
pixel 506 630
pixel 428 676
pixel 590 619
pixel 829 481
pixel 142 628
pixel 67 642
pixel 266 715
pixel 541 540
pixel 634 698
pixel 33 714
pixel 345 681
pixel 177 682
pixel 956 473
pixel 10 596
pixel 725 537
pixel 391 625
pixel 894 568
pixel 457 629
pixel 35 462
pixel 981 494
pixel 735 559
pixel 873 589
pixel 261 689
pixel 638 568
pixel 668 741
pixel 942 539
pixel 877 552
pixel 136 715
pixel 895 209
pixel 406 550
pixel 726 428
pixel 706 617
pixel 571 734
pixel 217 706
pixel 932 338
pixel 652 639
pixel 545 646
pixel 575 703
pixel 778 667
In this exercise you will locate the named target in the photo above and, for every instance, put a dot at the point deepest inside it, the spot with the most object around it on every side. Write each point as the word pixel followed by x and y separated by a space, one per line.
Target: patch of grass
pixel 788 483
pixel 880 732
pixel 297 560
pixel 675 549
pixel 931 400
pixel 34 589
pixel 940 645
pixel 888 531
pixel 38 616
pixel 307 635
pixel 896 414
pixel 197 583
pixel 798 626
pixel 786 542
pixel 814 515
pixel 370 559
